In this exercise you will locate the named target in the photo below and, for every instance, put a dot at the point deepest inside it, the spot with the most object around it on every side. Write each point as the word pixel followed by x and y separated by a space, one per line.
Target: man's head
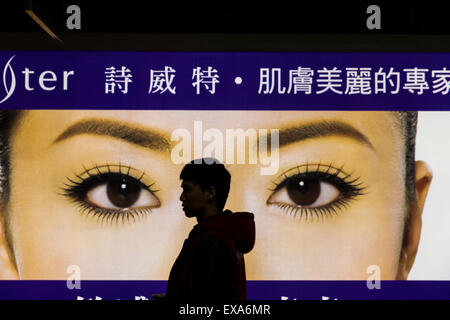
pixel 206 184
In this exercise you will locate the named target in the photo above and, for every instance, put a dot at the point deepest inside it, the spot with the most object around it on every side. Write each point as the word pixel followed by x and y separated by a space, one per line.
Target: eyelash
pixel 76 191
pixel 349 187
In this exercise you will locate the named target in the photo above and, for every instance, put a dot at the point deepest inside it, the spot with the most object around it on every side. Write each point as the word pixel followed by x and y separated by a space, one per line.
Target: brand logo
pixel 10 85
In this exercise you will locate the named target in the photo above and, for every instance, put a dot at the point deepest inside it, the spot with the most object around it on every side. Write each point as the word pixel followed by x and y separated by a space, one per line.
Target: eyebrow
pixel 146 138
pixel 319 129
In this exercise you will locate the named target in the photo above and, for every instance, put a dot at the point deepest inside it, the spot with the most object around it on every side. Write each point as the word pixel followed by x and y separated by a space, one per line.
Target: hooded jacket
pixel 211 263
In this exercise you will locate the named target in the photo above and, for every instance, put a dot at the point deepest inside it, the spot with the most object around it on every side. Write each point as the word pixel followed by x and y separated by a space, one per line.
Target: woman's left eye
pixel 315 193
pixel 305 192
pixel 120 194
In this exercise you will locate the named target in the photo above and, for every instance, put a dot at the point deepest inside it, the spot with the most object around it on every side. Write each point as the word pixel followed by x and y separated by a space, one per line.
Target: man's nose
pixel 182 197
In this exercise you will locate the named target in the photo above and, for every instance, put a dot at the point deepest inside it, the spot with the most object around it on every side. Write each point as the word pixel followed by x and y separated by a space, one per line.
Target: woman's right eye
pixel 111 194
pixel 121 194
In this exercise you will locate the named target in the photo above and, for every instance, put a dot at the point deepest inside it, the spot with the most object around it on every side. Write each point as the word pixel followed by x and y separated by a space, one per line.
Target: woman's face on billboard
pixel 100 190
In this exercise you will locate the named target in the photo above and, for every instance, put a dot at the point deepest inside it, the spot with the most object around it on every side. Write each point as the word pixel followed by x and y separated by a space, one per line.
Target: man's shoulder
pixel 218 242
pixel 214 238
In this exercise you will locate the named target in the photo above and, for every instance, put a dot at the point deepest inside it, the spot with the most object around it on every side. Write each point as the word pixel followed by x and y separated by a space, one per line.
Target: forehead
pixel 40 128
pixel 188 184
pixel 368 121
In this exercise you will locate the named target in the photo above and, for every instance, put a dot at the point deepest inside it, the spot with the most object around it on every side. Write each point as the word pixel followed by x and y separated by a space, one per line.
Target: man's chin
pixel 188 214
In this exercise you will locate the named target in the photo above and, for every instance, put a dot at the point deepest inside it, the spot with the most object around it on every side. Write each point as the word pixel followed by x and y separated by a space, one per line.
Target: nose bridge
pixel 237 197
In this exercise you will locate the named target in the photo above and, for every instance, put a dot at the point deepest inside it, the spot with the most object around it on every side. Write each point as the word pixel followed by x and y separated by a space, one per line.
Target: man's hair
pixel 209 172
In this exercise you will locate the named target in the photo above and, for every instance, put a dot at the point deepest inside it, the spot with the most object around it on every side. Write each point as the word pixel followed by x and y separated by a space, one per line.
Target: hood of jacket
pixel 239 226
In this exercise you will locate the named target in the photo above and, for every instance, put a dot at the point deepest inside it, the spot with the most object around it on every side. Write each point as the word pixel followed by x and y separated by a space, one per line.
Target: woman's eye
pixel 315 193
pixel 121 193
pixel 305 192
pixel 112 193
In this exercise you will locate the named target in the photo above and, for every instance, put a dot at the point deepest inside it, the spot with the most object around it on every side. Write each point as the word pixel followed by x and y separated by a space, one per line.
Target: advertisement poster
pixel 341 157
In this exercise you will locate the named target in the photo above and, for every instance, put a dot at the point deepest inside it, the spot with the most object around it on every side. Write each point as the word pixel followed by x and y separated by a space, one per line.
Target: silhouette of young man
pixel 210 265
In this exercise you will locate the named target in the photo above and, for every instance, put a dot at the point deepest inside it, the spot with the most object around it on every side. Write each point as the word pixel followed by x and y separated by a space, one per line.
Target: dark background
pixel 131 16
pixel 308 26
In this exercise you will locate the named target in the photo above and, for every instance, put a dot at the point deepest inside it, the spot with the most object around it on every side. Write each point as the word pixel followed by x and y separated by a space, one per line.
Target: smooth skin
pixel 49 233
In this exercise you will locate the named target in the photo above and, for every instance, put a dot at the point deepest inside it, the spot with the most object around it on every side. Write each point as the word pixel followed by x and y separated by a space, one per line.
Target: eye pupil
pixel 303 191
pixel 122 193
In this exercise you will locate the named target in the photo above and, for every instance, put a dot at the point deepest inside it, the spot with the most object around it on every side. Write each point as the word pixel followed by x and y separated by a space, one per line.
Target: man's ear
pixel 413 228
pixel 211 193
pixel 8 270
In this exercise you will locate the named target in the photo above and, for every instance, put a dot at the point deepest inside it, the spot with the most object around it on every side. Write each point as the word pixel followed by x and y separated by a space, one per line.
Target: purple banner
pixel 257 290
pixel 225 81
